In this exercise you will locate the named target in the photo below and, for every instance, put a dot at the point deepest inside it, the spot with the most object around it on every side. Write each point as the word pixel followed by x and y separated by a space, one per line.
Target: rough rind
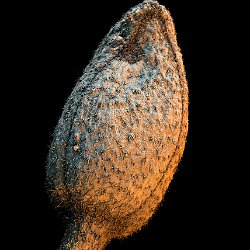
pixel 123 130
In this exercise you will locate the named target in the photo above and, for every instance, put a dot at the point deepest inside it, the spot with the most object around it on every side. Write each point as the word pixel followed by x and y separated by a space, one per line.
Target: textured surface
pixel 122 131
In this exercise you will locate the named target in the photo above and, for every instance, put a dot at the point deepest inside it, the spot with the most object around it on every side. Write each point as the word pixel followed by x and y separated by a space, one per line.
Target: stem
pixel 84 235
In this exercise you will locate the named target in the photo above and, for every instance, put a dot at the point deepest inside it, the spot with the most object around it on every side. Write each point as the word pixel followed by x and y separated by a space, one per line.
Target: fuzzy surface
pixel 122 132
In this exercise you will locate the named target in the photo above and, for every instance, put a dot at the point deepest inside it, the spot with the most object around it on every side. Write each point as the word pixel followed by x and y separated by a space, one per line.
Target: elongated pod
pixel 122 131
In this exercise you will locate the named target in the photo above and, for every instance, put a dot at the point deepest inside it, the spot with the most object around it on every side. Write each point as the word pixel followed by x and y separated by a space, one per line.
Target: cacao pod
pixel 122 132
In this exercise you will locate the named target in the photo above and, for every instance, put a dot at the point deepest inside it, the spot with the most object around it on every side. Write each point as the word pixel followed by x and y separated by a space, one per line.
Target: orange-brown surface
pixel 122 132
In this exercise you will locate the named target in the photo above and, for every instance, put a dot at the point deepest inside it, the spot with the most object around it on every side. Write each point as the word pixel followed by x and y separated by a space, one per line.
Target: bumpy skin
pixel 122 131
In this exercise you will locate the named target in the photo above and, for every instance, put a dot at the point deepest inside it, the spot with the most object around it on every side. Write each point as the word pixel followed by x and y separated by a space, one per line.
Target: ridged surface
pixel 122 132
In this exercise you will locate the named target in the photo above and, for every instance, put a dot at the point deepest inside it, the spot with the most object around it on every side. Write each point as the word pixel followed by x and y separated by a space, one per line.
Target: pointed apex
pixel 150 2
pixel 145 1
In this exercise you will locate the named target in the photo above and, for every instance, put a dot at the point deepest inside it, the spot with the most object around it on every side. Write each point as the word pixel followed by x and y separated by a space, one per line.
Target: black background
pixel 48 45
